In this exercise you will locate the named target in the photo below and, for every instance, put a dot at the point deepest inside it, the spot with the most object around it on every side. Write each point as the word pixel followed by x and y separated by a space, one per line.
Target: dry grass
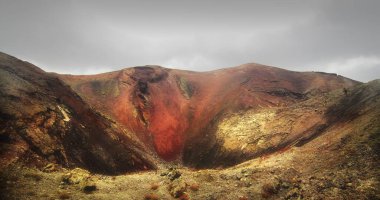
pixel 154 186
pixel 33 175
pixel 64 195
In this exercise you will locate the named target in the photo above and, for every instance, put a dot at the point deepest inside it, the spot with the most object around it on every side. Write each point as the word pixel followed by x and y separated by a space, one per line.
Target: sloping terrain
pixel 44 120
pixel 249 132
pixel 173 111
pixel 341 162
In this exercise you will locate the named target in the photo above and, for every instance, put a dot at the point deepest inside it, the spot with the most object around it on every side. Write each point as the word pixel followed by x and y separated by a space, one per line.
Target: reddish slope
pixel 168 109
pixel 42 120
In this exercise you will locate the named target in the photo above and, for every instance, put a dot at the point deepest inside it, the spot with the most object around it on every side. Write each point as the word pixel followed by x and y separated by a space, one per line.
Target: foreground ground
pixel 346 167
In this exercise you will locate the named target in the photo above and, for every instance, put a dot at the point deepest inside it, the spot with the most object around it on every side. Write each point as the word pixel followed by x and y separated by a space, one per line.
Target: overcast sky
pixel 90 36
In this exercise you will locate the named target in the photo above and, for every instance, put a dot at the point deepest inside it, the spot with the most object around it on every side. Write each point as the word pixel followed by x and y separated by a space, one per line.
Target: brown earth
pixel 248 132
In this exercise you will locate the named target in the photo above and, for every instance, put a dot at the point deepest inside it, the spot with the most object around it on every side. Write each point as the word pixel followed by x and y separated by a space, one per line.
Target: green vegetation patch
pixel 105 88
pixel 185 87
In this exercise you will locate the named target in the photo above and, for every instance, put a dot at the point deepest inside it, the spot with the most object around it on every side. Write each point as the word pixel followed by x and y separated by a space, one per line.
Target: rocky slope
pixel 249 132
pixel 43 120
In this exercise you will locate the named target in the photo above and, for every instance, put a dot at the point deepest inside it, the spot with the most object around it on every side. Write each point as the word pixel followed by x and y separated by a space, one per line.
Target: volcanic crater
pixel 271 132
pixel 177 113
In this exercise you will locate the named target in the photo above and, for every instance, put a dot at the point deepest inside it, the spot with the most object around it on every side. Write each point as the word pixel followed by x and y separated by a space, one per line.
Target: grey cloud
pixel 97 36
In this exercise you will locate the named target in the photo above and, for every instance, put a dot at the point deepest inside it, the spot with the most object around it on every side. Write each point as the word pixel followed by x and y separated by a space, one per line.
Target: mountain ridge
pixel 207 88
pixel 249 132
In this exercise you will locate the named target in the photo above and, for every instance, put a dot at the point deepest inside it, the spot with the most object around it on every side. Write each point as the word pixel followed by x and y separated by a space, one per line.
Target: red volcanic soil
pixel 168 108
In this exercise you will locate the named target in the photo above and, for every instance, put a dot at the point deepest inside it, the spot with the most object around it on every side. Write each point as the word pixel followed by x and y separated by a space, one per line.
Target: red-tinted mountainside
pixel 172 111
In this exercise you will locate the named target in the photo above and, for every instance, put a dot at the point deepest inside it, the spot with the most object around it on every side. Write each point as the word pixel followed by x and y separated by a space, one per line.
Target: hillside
pixel 171 110
pixel 43 120
pixel 247 132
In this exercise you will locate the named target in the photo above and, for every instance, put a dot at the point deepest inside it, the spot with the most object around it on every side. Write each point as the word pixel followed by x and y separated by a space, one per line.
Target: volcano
pixel 171 110
pixel 271 132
